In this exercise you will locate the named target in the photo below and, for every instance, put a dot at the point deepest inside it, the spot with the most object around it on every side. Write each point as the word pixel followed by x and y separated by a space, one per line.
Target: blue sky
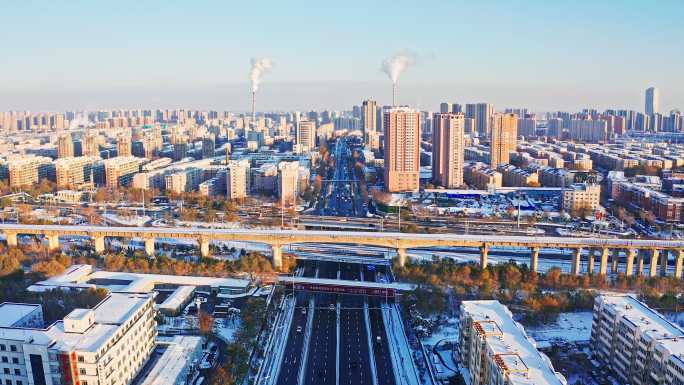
pixel 539 54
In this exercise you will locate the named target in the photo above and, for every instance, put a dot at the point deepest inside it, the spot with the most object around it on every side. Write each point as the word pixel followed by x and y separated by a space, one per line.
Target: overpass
pixel 339 286
pixel 635 250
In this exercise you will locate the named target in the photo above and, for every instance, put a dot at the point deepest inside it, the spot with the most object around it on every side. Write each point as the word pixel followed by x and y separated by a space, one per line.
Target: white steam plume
pixel 395 65
pixel 259 67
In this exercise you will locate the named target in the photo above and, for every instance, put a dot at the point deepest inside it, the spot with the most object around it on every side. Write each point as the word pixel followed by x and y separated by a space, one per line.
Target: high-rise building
pixel 447 149
pixel 402 149
pixel 446 108
pixel 652 101
pixel 90 145
pixel 208 147
pixel 369 123
pixel 503 138
pixel 124 145
pixel 306 135
pixel 288 182
pixel 237 180
pixel 65 146
pixel 482 113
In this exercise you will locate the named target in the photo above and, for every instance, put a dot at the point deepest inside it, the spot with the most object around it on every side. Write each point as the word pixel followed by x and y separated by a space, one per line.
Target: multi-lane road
pixel 333 345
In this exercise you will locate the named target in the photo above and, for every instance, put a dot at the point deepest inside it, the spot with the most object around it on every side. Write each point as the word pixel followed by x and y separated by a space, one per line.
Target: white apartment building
pixel 237 179
pixel 636 342
pixel 288 182
pixel 495 350
pixel 106 345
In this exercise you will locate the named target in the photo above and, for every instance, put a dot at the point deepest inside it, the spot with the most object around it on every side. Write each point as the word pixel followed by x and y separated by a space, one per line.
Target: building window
pixel 17 372
pixel 3 347
pixel 15 360
pixel 4 359
pixel 13 348
pixel 83 371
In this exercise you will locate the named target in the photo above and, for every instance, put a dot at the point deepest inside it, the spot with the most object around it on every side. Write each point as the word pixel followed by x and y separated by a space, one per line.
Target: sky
pixel 543 55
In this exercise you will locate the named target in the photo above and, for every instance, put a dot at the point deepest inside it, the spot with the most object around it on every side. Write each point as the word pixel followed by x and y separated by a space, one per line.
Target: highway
pixel 341 193
pixel 332 358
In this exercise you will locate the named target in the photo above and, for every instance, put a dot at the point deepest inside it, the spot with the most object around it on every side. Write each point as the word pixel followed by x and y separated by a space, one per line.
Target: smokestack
pixel 394 66
pixel 394 94
pixel 254 125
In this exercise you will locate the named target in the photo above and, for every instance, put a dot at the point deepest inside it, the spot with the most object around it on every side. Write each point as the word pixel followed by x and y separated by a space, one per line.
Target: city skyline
pixel 200 56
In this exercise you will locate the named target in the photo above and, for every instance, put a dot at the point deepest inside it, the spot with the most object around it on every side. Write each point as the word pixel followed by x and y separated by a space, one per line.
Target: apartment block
pixel 495 350
pixel 636 342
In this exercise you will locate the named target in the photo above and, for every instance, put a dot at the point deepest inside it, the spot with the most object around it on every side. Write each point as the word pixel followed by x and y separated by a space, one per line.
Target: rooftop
pixel 112 312
pixel 514 352
pixel 11 313
pixel 643 317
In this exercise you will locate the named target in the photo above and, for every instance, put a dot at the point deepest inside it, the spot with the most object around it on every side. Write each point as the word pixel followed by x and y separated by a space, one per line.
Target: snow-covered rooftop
pixel 513 351
pixel 109 314
pixel 649 321
pixel 84 276
pixel 11 313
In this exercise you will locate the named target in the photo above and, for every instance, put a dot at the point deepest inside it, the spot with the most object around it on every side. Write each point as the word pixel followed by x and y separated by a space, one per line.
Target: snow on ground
pixel 225 329
pixel 569 328
pixel 139 220
pixel 447 331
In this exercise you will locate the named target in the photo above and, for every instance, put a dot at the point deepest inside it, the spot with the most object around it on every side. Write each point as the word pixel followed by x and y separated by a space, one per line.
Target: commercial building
pixel 447 149
pixel 495 349
pixel 106 345
pixel 637 343
pixel 503 139
pixel 402 149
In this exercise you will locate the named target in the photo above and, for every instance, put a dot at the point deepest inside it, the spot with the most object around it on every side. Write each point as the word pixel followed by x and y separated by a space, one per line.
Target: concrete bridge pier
pixel 203 246
pixel 615 259
pixel 653 268
pixel 277 252
pixel 401 253
pixel 679 260
pixel 534 259
pixel 663 262
pixel 149 247
pixel 11 239
pixel 640 262
pixel 577 261
pixel 603 267
pixel 99 243
pixel 631 254
pixel 592 261
pixel 53 241
pixel 484 256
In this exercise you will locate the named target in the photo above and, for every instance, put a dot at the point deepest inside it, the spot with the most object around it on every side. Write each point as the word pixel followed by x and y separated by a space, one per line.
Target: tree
pixel 206 323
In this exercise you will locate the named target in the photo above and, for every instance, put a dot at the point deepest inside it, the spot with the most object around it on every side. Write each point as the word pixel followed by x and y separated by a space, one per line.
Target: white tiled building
pixel 495 350
pixel 106 345
pixel 636 342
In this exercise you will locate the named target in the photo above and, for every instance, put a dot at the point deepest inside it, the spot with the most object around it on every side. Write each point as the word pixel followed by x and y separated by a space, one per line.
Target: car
pixel 299 329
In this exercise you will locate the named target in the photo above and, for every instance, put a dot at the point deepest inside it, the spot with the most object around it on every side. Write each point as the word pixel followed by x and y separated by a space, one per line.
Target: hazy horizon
pixel 541 55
